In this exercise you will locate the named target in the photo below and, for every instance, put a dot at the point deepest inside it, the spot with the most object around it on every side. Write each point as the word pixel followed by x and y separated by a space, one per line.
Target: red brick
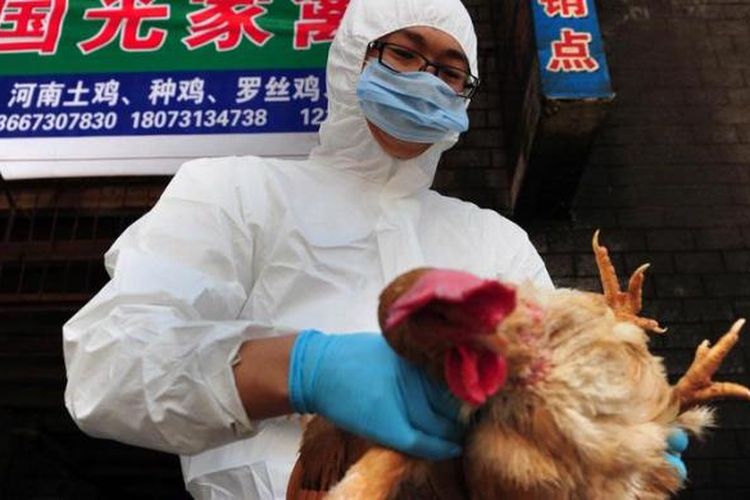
pixel 477 118
pixel 715 42
pixel 678 286
pixel 664 310
pixel 444 178
pixel 722 443
pixel 697 217
pixel 701 474
pixel 660 262
pixel 678 175
pixel 718 134
pixel 483 138
pixel 728 285
pixel 467 158
pixel 732 114
pixel 739 96
pixel 688 28
pixel 675 196
pixel 567 240
pixel 559 265
pixel 719 238
pixel 729 27
pixel 697 10
pixel 595 176
pixel 672 239
pixel 741 194
pixel 733 153
pixel 732 472
pixel 707 97
pixel 707 310
pixel 698 262
pixel 593 218
pixel 737 260
pixel 538 238
pixel 645 217
pixel 722 77
pixel 734 60
pixel 585 264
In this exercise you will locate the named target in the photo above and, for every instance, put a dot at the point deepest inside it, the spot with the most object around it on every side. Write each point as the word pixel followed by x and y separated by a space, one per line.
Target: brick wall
pixel 475 168
pixel 668 182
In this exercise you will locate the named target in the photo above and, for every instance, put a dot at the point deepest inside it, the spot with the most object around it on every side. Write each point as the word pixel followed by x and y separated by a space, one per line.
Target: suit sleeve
pixel 149 358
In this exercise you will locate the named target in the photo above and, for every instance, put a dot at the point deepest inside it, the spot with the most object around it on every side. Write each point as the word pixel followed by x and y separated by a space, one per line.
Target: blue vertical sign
pixel 571 55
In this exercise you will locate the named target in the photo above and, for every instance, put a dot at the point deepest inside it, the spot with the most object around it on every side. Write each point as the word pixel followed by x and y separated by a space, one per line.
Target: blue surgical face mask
pixel 413 106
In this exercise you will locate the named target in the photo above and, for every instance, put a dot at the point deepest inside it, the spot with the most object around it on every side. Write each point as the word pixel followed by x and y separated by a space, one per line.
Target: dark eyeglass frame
pixel 472 82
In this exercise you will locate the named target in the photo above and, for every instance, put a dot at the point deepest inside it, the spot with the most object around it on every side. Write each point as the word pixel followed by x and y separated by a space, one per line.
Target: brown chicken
pixel 565 400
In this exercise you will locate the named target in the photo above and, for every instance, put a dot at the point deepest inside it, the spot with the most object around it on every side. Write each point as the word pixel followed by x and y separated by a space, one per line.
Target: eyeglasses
pixel 403 59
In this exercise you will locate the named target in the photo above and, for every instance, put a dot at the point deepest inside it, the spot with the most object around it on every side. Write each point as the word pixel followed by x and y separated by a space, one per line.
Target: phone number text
pixel 30 122
pixel 70 123
pixel 199 118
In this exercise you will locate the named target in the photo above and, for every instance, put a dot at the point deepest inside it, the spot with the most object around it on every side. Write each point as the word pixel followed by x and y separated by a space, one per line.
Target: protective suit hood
pixel 345 140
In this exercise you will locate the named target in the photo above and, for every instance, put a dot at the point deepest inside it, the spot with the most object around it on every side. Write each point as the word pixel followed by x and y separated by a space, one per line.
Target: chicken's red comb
pixel 490 300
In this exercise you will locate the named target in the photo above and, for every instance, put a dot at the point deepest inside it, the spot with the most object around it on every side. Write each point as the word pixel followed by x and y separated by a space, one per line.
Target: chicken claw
pixel 696 385
pixel 626 305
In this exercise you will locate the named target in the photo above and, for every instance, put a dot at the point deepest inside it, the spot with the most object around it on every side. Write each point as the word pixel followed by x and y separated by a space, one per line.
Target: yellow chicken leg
pixel 626 305
pixel 696 385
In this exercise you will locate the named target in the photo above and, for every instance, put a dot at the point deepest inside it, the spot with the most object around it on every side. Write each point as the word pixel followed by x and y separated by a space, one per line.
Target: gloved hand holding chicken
pixel 562 396
pixel 385 398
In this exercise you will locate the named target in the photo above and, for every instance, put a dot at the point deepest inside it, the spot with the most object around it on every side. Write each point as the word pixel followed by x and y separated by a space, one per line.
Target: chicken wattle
pixel 473 375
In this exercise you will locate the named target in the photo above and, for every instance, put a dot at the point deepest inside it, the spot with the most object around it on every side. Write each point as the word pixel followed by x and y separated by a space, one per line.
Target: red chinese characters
pixel 318 21
pixel 225 22
pixel 565 8
pixel 123 19
pixel 571 53
pixel 31 25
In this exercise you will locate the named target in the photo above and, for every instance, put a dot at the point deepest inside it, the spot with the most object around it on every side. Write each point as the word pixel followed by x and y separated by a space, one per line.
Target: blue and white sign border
pixel 150 123
pixel 572 62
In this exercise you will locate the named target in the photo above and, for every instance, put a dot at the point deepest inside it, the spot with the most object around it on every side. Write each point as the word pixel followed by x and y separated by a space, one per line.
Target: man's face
pixel 437 46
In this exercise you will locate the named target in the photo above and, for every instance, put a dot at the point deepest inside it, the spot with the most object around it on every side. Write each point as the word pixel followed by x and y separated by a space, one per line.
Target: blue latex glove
pixel 677 442
pixel 360 384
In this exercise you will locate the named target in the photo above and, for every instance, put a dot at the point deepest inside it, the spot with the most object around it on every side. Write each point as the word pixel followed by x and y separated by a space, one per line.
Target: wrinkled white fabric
pixel 241 248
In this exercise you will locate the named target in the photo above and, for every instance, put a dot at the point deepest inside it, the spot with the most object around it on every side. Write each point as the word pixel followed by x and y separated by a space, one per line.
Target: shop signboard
pixel 130 87
pixel 570 50
pixel 559 92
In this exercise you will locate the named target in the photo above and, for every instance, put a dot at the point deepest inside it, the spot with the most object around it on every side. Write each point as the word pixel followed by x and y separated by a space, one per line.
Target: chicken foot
pixel 626 305
pixel 696 386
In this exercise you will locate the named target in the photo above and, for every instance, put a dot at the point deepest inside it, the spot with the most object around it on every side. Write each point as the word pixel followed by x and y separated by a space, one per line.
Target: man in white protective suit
pixel 202 342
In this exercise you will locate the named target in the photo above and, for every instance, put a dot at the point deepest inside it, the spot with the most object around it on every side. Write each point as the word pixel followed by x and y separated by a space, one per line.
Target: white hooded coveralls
pixel 241 248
